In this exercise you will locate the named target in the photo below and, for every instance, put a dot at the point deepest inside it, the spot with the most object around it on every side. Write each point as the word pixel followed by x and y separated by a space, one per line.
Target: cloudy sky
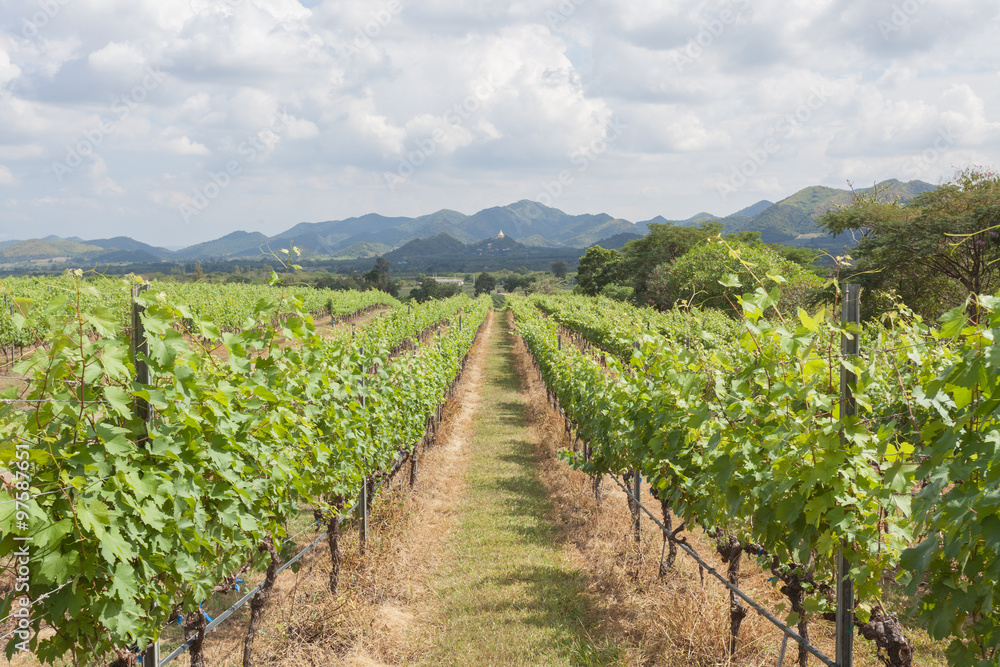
pixel 177 121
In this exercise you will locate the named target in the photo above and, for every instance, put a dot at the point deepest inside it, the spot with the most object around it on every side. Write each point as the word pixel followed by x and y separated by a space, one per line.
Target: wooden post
pixel 140 346
pixel 849 347
pixel 560 342
pixel 637 478
pixel 363 507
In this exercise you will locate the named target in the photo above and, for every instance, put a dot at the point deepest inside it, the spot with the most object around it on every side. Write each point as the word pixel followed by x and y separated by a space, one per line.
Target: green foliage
pixel 130 520
pixel 747 435
pixel 432 289
pixel 559 269
pixel 714 275
pixel 514 282
pixel 228 306
pixel 378 278
pixel 334 282
pixel 618 292
pixel 805 257
pixel 663 245
pixel 947 235
pixel 485 283
pixel 598 267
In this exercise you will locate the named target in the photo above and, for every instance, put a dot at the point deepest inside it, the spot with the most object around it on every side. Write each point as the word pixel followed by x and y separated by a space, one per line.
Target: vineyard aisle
pixel 497 588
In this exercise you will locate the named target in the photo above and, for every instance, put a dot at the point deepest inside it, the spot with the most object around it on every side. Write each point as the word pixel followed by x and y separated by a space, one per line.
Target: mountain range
pixel 791 221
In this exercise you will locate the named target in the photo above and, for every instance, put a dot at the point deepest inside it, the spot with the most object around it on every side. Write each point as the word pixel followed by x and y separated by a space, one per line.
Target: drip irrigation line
pixel 759 609
pixel 249 595
pixel 232 610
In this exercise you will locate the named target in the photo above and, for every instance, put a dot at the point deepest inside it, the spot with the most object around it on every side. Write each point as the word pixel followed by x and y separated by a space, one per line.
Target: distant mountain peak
pixel 754 209
pixel 529 224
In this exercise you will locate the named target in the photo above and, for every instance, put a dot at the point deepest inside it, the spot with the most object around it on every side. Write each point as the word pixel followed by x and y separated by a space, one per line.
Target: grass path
pixel 506 592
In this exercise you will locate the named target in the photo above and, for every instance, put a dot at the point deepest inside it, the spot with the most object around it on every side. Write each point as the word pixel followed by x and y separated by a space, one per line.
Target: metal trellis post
pixel 363 507
pixel 849 347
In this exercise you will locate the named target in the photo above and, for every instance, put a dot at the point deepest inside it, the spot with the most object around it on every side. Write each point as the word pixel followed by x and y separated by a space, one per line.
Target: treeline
pixel 673 265
pixel 926 255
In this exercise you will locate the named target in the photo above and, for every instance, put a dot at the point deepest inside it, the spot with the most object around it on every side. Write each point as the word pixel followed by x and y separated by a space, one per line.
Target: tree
pixel 947 235
pixel 378 278
pixel 716 274
pixel 432 289
pixel 598 267
pixel 802 256
pixel 334 282
pixel 662 245
pixel 485 283
pixel 514 282
pixel 559 269
pixel 199 273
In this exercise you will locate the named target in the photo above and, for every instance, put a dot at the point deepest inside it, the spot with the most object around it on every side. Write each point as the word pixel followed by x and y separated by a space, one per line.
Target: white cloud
pixel 8 70
pixel 118 61
pixel 508 91
pixel 184 146
pixel 7 178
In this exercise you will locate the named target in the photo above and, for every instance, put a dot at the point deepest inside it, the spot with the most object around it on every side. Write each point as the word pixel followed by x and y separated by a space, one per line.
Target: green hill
pixel 33 249
pixel 363 249
pixel 793 219
pixel 237 244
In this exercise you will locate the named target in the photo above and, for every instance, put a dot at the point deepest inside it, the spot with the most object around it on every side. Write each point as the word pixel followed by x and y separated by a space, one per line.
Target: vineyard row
pixel 743 435
pixel 137 500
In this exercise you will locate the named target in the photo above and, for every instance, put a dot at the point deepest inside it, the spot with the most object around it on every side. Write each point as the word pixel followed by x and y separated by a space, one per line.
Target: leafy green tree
pixel 747 237
pixel 514 282
pixel 716 274
pixel 802 256
pixel 663 244
pixel 543 286
pixel 618 292
pixel 559 269
pixel 485 283
pixel 599 267
pixel 378 278
pixel 431 289
pixel 947 235
pixel 335 282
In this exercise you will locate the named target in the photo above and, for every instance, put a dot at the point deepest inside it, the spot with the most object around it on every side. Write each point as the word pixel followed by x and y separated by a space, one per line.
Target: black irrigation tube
pixel 760 610
pixel 177 652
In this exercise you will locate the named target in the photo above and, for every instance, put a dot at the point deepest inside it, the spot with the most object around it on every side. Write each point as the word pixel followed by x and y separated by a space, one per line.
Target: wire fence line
pixel 746 598
pixel 38 599
pixel 371 485
pixel 669 535
pixel 217 620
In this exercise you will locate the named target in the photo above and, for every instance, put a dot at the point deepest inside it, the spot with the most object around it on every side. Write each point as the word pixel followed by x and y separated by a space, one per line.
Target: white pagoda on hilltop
pixel 500 235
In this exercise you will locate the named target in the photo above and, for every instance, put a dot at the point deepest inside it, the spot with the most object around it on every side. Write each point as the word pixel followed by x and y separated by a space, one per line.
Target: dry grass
pixel 389 612
pixel 674 621
pixel 370 622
